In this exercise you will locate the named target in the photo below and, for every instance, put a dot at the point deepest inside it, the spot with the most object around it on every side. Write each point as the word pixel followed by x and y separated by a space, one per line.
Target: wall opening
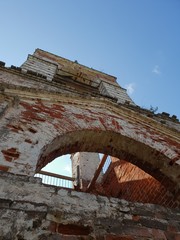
pixel 116 178
pixel 123 148
pixel 57 172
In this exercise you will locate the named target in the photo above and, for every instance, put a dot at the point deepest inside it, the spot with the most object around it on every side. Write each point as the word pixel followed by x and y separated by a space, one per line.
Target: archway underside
pixel 153 163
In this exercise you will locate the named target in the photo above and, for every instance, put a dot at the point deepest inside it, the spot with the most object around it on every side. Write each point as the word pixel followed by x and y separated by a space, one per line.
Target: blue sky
pixel 138 41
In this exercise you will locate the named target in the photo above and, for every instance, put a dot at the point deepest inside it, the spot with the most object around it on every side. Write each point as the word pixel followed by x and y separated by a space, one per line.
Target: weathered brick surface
pixel 37 65
pixel 115 91
pixel 33 211
pixel 127 181
pixel 41 130
pixel 52 106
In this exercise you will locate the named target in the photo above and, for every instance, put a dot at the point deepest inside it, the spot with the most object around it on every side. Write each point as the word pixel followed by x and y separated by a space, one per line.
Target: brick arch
pixel 40 130
pixel 148 159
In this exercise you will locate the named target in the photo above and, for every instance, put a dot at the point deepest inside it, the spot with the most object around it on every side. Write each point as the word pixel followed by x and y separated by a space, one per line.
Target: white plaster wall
pixel 88 163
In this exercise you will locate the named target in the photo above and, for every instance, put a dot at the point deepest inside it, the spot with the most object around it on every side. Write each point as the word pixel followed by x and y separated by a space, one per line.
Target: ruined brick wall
pixel 127 181
pixel 51 107
pixel 30 210
pixel 35 131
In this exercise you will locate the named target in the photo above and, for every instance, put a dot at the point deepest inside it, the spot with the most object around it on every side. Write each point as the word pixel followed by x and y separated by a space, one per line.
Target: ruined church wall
pixel 31 210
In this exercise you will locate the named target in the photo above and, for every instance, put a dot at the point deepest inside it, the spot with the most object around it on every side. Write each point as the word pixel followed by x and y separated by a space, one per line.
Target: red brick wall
pixel 125 180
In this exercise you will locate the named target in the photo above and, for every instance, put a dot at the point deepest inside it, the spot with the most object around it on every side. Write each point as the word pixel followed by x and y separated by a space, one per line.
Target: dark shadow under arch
pixel 143 156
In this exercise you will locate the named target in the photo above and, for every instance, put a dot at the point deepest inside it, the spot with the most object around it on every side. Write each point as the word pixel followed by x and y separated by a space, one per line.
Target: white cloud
pixel 156 70
pixel 68 169
pixel 130 88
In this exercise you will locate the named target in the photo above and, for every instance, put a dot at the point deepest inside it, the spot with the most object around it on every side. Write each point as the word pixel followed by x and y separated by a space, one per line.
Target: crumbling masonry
pixel 51 106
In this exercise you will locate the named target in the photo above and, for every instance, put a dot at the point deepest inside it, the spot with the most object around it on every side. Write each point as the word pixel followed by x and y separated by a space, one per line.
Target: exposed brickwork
pixel 125 180
pixel 4 168
pixel 69 229
pixel 35 211
pixel 10 154
pixel 40 112
pixel 52 106
pixel 45 68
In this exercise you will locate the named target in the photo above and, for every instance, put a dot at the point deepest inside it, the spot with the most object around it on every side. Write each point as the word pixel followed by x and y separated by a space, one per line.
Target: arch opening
pixel 58 172
pixel 120 147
